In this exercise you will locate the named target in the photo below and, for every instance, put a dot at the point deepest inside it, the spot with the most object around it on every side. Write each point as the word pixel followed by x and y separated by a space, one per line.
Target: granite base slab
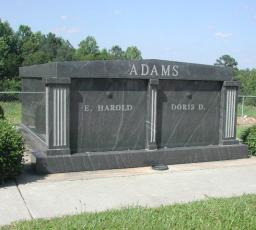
pixel 91 161
pixel 137 158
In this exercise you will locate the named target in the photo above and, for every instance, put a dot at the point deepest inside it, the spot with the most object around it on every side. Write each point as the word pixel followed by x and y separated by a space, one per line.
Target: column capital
pixel 231 83
pixel 57 81
pixel 154 81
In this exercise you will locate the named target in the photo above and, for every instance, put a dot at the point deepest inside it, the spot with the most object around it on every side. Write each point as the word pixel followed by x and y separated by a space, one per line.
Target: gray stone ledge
pixel 139 158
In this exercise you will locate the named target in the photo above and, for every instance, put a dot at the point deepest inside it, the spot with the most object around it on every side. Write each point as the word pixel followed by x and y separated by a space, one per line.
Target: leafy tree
pixel 116 52
pixel 66 52
pixel 29 44
pixel 25 47
pixel 37 48
pixel 56 48
pixel 88 49
pixel 133 53
pixel 248 81
pixel 23 34
pixel 38 57
pixel 104 55
pixel 9 57
pixel 228 61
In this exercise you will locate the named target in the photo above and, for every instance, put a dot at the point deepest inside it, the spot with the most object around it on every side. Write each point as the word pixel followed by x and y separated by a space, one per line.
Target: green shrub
pixel 11 151
pixel 10 84
pixel 248 137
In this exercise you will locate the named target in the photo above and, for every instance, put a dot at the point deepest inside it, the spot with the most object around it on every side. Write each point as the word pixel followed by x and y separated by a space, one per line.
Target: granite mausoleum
pixel 117 114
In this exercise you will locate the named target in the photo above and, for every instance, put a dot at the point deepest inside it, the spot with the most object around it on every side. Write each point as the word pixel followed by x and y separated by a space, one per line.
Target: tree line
pixel 247 77
pixel 25 47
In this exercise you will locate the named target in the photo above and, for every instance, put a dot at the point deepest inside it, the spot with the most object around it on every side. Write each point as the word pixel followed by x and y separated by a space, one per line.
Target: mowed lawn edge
pixel 212 213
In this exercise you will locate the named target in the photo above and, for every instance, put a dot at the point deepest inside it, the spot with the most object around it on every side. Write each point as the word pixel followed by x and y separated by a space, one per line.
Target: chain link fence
pixel 247 106
pixel 10 102
pixel 246 113
pixel 11 105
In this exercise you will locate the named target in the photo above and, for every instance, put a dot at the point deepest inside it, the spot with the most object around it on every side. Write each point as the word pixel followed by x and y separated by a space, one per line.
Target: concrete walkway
pixel 61 194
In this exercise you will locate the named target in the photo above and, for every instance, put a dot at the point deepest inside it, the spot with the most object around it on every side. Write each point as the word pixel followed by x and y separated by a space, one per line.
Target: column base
pixel 151 147
pixel 230 142
pixel 54 152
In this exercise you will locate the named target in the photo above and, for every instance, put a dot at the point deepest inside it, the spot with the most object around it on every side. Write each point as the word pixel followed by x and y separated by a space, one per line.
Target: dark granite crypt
pixel 96 115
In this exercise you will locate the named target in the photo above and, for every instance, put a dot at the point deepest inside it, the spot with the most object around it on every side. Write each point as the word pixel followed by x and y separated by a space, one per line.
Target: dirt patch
pixel 246 120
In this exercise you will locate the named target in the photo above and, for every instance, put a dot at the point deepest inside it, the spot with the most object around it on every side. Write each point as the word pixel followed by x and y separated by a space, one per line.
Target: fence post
pixel 243 106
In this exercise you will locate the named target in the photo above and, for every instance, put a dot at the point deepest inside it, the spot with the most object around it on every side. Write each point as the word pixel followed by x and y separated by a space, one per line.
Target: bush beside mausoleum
pixel 11 151
pixel 249 137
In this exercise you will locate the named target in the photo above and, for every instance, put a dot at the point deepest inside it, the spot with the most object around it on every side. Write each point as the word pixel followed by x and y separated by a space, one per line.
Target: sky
pixel 198 31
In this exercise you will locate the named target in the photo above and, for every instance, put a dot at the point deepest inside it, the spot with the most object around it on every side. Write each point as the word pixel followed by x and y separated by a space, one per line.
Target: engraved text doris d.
pixel 187 107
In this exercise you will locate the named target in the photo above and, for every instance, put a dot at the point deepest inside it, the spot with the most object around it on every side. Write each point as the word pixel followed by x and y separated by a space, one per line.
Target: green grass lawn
pixel 12 111
pixel 222 213
pixel 249 110
pixel 240 129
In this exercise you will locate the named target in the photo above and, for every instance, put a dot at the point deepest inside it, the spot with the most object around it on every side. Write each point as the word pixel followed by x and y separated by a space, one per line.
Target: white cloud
pixel 63 17
pixel 246 7
pixel 222 34
pixel 72 30
pixel 66 30
pixel 117 12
